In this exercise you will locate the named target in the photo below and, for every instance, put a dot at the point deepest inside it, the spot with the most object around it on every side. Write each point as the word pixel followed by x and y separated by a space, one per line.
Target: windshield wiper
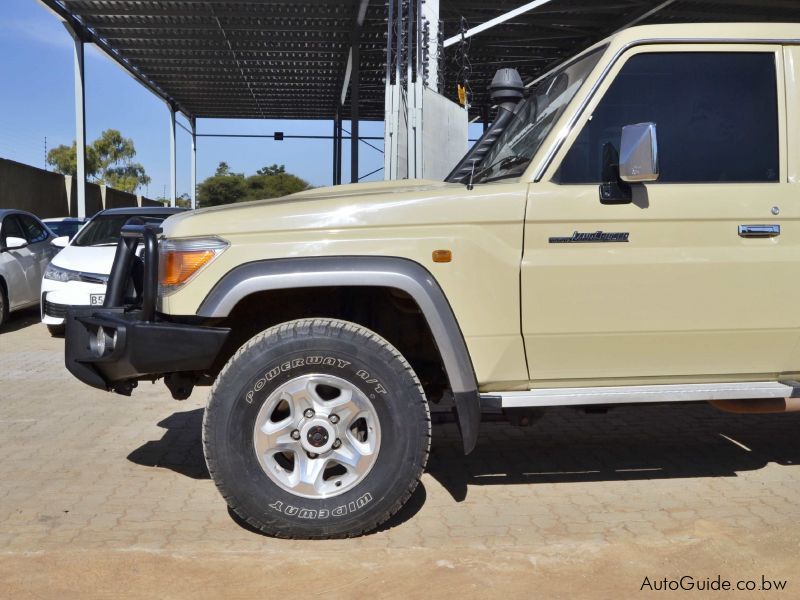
pixel 503 163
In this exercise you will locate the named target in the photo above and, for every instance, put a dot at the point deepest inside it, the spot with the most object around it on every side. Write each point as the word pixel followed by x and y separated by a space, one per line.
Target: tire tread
pixel 341 329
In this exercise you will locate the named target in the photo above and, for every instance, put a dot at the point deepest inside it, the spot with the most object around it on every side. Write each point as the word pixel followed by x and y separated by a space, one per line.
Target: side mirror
pixel 15 243
pixel 61 242
pixel 638 153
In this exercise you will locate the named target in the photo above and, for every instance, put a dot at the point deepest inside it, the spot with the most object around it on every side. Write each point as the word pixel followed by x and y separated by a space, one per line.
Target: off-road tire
pixel 363 359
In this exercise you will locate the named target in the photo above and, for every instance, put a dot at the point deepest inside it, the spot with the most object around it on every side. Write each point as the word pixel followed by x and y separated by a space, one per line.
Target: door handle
pixel 759 231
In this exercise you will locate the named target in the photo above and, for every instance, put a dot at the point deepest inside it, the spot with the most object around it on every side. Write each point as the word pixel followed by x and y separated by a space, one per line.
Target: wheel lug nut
pixel 312 455
pixel 295 435
pixel 337 443
pixel 334 419
pixel 308 413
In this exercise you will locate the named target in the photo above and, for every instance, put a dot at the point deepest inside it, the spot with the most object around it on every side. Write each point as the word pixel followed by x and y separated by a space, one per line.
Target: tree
pixel 273 169
pixel 109 161
pixel 65 160
pixel 274 186
pixel 225 186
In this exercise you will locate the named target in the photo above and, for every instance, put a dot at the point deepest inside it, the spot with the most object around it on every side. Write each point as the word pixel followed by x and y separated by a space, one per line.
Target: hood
pixel 87 259
pixel 320 208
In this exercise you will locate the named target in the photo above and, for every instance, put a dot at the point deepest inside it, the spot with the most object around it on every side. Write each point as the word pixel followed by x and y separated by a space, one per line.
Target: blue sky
pixel 37 101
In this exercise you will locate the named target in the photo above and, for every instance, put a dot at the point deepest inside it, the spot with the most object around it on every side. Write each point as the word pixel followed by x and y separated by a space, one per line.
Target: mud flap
pixel 468 408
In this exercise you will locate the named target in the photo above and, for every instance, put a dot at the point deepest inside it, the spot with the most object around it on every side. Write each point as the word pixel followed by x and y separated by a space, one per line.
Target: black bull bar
pixel 113 347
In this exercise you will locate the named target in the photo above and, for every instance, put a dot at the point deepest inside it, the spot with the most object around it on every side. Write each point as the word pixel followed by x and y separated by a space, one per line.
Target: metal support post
pixel 355 93
pixel 336 148
pixel 80 120
pixel 173 184
pixel 193 179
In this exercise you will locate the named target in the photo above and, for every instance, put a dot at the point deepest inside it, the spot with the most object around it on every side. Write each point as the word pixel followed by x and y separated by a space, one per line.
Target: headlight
pixel 180 260
pixel 63 275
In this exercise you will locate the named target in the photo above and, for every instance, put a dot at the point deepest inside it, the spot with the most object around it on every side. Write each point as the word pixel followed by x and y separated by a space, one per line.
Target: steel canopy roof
pixel 287 59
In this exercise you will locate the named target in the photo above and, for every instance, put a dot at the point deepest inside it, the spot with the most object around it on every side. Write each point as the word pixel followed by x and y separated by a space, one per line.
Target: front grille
pixel 57 311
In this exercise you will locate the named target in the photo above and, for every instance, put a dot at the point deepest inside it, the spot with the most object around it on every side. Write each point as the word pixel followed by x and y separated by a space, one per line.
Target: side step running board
pixel 640 394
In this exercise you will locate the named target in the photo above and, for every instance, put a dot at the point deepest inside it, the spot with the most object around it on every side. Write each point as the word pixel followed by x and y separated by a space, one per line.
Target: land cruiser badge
pixel 595 236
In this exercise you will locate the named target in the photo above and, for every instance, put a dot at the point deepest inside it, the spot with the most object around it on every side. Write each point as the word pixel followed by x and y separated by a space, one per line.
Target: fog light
pixel 102 342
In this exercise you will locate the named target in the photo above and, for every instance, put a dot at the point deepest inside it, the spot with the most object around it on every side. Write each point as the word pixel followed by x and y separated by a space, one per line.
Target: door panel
pixel 685 296
pixel 41 251
pixel 20 265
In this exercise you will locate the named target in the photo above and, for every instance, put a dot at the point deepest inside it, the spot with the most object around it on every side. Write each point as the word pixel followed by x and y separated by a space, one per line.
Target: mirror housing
pixel 638 153
pixel 613 190
pixel 61 241
pixel 15 243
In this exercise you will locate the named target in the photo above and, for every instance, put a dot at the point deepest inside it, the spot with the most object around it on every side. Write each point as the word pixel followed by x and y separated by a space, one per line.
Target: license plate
pixel 97 299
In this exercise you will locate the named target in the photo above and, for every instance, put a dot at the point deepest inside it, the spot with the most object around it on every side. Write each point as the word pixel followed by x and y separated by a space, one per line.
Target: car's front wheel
pixel 316 428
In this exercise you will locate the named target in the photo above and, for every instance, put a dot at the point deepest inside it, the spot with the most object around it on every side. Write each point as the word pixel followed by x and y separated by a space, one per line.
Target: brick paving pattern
pixel 84 470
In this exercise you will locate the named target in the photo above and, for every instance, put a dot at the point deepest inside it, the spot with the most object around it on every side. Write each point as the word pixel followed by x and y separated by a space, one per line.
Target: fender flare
pixel 374 271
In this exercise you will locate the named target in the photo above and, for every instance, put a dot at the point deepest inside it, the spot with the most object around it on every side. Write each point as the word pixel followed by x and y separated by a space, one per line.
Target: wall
pixel 116 198
pixel 47 194
pixel 94 197
pixel 445 126
pixel 27 188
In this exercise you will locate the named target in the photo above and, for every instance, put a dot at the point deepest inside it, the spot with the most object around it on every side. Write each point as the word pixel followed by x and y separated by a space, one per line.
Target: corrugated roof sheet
pixel 286 59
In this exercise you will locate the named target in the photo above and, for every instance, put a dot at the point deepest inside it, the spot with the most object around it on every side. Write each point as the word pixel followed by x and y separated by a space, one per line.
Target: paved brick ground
pixel 105 495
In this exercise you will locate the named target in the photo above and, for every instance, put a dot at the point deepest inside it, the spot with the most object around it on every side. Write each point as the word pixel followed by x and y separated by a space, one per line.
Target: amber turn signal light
pixel 180 260
pixel 442 256
pixel 176 267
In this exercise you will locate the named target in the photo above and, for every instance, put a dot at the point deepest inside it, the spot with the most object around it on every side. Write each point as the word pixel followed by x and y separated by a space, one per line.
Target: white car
pixel 78 275
pixel 25 250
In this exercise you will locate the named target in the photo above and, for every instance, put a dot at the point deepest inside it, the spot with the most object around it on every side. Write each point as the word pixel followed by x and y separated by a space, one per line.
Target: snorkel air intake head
pixel 506 88
pixel 505 91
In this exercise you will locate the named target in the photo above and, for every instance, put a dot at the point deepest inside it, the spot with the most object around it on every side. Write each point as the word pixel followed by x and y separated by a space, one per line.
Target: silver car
pixel 25 252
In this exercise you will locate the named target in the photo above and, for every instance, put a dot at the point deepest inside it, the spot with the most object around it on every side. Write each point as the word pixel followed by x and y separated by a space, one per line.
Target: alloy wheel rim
pixel 317 436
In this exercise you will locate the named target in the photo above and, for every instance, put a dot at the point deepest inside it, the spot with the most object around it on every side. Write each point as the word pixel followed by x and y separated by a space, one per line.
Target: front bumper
pixel 130 349
pixel 113 347
pixel 57 296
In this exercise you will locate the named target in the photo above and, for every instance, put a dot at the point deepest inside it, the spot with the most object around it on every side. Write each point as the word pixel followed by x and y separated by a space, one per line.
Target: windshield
pixel 68 228
pixel 515 147
pixel 104 230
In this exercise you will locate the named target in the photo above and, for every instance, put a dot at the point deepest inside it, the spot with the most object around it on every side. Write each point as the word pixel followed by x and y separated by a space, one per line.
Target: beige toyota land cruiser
pixel 628 231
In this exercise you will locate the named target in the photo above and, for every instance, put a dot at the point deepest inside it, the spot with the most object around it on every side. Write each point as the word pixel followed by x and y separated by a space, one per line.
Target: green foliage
pixel 109 161
pixel 184 201
pixel 226 187
pixel 65 159
pixel 221 189
pixel 273 169
pixel 274 186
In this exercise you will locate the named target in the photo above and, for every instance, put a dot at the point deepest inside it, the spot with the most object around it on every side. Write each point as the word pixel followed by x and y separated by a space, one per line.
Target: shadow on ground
pixel 180 449
pixel 565 445
pixel 21 319
pixel 627 443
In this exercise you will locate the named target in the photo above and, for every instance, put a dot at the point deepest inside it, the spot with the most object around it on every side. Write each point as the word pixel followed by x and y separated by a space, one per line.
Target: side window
pixel 33 229
pixel 11 228
pixel 716 116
